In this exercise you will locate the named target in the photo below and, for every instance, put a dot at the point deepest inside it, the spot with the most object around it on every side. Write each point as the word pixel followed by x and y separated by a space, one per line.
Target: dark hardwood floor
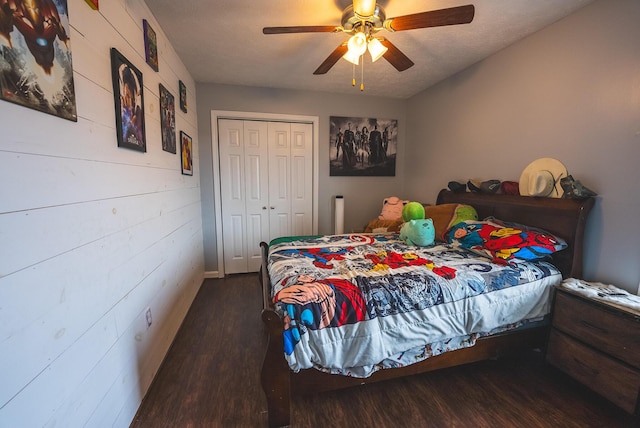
pixel 211 378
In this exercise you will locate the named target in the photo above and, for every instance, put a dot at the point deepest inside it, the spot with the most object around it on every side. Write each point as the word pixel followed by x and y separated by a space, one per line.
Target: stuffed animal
pixel 413 211
pixel 392 208
pixel 463 213
pixel 418 232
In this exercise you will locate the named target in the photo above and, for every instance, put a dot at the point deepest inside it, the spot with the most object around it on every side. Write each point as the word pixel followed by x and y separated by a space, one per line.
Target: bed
pixel 564 218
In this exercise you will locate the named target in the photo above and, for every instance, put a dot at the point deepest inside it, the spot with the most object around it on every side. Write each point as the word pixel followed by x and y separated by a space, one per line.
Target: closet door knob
pixel 273 208
pixel 264 208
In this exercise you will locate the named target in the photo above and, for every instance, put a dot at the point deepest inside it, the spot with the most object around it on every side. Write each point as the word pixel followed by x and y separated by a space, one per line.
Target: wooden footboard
pixel 275 370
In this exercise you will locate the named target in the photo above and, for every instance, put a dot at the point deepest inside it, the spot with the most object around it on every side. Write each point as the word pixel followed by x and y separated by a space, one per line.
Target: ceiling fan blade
pixel 332 59
pixel 301 29
pixel 395 57
pixel 432 18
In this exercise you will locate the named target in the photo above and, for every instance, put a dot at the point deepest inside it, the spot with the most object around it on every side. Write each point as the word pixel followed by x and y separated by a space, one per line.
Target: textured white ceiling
pixel 221 41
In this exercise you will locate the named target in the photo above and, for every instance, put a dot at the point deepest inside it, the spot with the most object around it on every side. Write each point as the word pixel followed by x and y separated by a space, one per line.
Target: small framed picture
pixel 129 101
pixel 185 150
pixel 167 120
pixel 183 96
pixel 94 4
pixel 150 45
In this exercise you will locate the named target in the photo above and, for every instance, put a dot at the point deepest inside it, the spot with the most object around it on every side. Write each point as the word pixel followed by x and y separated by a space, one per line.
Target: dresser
pixel 598 345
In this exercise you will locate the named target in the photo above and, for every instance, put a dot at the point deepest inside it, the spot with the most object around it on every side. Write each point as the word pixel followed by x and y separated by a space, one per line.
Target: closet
pixel 265 186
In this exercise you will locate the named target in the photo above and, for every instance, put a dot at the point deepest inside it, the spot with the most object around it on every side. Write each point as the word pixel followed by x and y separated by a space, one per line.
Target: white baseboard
pixel 211 274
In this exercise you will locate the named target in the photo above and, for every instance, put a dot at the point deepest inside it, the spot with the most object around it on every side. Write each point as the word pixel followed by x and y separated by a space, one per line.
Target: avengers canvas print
pixel 35 56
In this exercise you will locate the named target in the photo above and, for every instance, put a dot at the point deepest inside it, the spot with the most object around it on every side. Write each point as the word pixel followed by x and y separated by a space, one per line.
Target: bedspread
pixel 353 304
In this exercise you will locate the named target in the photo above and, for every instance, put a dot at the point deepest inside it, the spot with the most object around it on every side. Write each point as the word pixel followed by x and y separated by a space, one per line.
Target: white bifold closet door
pixel 266 186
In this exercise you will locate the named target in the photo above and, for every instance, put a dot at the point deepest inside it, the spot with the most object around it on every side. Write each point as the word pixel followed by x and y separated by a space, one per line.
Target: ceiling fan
pixel 364 19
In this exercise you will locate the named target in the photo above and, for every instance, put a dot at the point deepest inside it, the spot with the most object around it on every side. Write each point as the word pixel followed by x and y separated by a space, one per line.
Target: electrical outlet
pixel 148 317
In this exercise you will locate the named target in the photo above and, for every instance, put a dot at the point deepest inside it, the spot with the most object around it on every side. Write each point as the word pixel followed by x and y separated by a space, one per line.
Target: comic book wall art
pixel 185 158
pixel 167 120
pixel 150 45
pixel 183 96
pixel 35 56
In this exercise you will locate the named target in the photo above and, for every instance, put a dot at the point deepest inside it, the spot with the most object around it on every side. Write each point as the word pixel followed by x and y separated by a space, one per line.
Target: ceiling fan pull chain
pixel 353 74
pixel 362 76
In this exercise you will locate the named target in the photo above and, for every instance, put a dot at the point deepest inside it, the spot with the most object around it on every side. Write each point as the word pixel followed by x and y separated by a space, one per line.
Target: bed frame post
pixel 275 370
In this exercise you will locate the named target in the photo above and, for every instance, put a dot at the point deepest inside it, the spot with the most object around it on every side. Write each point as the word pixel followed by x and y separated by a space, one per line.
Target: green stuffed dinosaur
pixel 418 232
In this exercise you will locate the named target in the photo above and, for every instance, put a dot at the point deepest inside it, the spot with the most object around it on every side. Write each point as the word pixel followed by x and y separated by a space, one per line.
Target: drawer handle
pixel 594 327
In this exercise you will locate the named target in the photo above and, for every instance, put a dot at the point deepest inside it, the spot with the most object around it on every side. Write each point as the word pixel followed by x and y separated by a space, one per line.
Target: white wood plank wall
pixel 91 235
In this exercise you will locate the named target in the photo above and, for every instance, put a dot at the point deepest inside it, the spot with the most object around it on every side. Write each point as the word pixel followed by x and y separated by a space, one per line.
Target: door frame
pixel 267 117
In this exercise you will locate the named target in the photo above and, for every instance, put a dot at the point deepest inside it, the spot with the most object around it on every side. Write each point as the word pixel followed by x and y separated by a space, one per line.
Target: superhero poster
pixel 150 45
pixel 186 146
pixel 128 94
pixel 35 56
pixel 167 120
pixel 362 146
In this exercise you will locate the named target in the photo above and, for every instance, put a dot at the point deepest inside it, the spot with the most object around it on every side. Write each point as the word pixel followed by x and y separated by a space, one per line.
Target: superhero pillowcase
pixel 504 241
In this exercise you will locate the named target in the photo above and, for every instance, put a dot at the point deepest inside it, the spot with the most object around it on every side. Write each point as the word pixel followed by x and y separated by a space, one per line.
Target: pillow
pixel 445 216
pixel 504 241
pixel 383 226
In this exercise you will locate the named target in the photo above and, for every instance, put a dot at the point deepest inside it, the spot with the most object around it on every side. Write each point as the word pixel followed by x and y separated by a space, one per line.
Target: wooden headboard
pixel 565 218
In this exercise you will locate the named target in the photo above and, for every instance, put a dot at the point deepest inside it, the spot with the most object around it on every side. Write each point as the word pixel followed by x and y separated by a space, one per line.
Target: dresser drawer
pixel 608 331
pixel 612 379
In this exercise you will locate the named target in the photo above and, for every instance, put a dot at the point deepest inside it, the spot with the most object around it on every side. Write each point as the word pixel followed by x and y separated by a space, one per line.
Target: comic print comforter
pixel 353 304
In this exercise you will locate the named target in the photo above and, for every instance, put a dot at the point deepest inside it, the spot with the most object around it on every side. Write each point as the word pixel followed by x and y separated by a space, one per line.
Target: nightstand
pixel 598 345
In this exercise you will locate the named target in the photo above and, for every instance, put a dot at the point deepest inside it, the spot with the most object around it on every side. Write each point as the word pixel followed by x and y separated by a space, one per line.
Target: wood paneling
pixel 92 235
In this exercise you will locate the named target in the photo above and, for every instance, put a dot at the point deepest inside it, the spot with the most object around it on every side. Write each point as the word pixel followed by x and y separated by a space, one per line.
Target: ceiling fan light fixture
pixel 352 58
pixel 357 44
pixel 376 49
